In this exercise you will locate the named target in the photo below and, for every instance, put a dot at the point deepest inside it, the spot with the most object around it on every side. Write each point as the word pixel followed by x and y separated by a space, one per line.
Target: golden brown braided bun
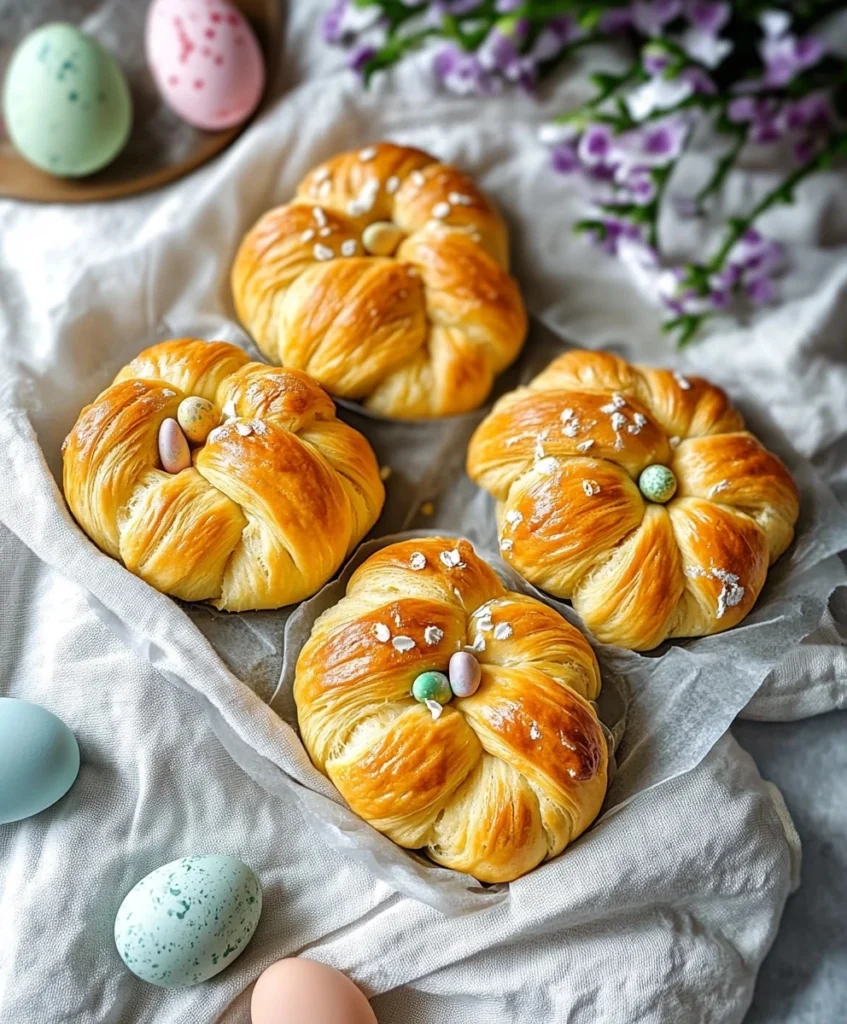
pixel 500 780
pixel 564 457
pixel 386 279
pixel 275 497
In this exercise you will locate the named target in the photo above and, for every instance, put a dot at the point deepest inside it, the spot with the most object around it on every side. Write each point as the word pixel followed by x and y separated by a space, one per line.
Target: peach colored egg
pixel 300 991
pixel 205 61
pixel 198 417
pixel 173 448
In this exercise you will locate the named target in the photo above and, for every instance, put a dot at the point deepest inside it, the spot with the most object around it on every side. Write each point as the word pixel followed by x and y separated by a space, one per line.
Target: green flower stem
pixel 722 169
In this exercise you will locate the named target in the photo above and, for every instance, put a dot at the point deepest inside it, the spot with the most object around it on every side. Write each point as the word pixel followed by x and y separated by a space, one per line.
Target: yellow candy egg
pixel 197 417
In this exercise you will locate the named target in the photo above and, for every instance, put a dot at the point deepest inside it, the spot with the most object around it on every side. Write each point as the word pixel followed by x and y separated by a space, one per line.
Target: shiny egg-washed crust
pixel 421 333
pixel 275 499
pixel 562 457
pixel 501 780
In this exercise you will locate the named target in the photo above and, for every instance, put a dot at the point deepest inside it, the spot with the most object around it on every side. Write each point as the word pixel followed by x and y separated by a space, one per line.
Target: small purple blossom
pixel 507 6
pixel 359 57
pixel 564 158
pixel 596 145
pixel 761 291
pixel 651 16
pixel 784 54
pixel 708 17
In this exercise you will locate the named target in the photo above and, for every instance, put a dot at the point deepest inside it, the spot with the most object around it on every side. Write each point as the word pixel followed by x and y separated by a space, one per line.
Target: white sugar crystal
pixel 441 210
pixel 433 635
pixel 478 645
pixel 673 441
pixel 244 429
pixel 321 174
pixel 513 517
pixel 683 382
pixel 571 428
pixel 322 253
pixel 507 544
pixel 324 189
pixel 168 393
pixel 640 419
pixel 367 154
pixel 731 592
pixel 434 707
pixel 392 184
pixel 539 452
pixel 452 559
pixel 567 414
pixel 216 434
pixel 417 561
pixel 591 487
pixel 502 631
pixel 397 620
pixel 348 247
pixel 534 731
pixel 320 216
pixel 548 465
pixel 307 235
pixel 383 633
pixel 583 446
pixel 325 232
pixel 417 178
pixel 722 486
pixel 460 199
pixel 618 421
pixel 402 643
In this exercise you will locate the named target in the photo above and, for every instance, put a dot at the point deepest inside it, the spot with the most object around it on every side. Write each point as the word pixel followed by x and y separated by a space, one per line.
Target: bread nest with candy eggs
pixel 491 784
pixel 386 279
pixel 268 505
pixel 637 494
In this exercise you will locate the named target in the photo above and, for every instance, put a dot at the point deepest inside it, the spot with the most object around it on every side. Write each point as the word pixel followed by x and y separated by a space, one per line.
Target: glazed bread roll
pixel 637 494
pixel 386 279
pixel 268 506
pixel 491 784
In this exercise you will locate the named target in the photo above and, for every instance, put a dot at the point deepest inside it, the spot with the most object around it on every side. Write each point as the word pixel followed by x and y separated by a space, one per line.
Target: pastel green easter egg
pixel 657 483
pixel 432 686
pixel 188 920
pixel 39 759
pixel 66 102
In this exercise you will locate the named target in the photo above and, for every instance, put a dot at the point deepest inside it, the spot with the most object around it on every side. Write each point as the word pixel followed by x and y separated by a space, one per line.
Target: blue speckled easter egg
pixel 66 102
pixel 39 759
pixel 188 920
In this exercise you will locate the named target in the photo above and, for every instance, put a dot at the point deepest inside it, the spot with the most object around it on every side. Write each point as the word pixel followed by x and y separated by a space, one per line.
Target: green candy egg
pixel 432 686
pixel 66 102
pixel 657 483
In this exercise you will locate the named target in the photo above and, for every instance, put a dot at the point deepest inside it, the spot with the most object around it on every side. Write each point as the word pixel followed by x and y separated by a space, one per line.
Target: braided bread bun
pixel 275 497
pixel 564 458
pixel 386 279
pixel 498 781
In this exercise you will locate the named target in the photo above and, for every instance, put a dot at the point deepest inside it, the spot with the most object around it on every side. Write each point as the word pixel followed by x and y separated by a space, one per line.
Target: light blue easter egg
pixel 188 920
pixel 657 483
pixel 39 759
pixel 66 103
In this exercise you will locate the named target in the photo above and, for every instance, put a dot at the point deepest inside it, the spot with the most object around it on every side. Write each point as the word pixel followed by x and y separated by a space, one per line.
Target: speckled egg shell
pixel 66 102
pixel 188 920
pixel 39 759
pixel 205 61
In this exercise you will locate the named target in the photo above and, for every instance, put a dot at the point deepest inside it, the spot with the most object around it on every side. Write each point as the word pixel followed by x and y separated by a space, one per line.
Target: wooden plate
pixel 161 147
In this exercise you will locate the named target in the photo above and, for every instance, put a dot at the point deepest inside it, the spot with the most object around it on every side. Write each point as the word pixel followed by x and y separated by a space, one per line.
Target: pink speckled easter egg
pixel 205 60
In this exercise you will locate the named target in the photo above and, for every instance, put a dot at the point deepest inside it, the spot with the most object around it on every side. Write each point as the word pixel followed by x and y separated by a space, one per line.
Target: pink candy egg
pixel 174 453
pixel 205 60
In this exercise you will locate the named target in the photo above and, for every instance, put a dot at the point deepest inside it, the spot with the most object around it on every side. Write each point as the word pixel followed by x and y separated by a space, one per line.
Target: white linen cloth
pixel 663 911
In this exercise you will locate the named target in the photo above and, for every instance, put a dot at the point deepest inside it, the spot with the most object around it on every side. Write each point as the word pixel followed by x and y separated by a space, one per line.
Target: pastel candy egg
pixel 197 417
pixel 301 991
pixel 465 674
pixel 188 920
pixel 205 61
pixel 173 448
pixel 66 102
pixel 432 686
pixel 657 483
pixel 39 759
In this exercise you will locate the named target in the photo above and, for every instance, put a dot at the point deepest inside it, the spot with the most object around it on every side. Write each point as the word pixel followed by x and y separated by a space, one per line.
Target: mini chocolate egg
pixel 66 102
pixel 173 448
pixel 464 674
pixel 205 61
pixel 657 483
pixel 39 759
pixel 432 686
pixel 197 417
pixel 300 991
pixel 188 920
